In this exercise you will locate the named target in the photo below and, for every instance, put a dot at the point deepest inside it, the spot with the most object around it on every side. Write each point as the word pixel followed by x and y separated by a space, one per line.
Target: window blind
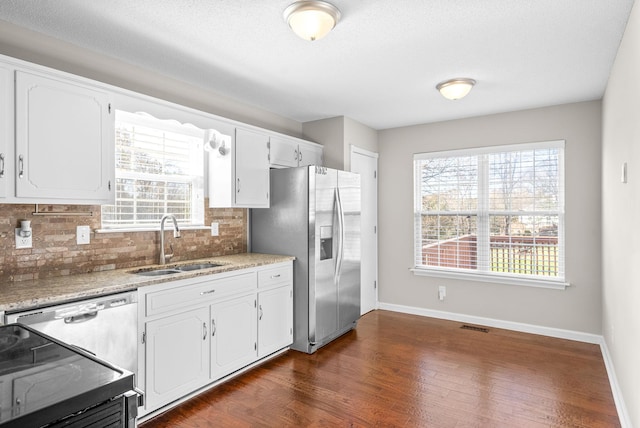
pixel 159 170
pixel 492 211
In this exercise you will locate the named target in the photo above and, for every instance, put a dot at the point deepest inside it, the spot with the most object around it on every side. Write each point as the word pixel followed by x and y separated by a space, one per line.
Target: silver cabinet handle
pixel 260 317
pixel 208 292
pixel 238 186
pixel 300 155
pixel 204 329
pixel 213 327
pixel 20 166
pixel 275 276
pixel 1 165
pixel 295 156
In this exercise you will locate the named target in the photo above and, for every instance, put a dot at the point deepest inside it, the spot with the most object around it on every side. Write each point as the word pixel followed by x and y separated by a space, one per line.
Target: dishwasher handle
pixel 78 318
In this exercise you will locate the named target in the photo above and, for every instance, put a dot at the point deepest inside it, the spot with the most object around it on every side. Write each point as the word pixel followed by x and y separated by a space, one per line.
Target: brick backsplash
pixel 55 252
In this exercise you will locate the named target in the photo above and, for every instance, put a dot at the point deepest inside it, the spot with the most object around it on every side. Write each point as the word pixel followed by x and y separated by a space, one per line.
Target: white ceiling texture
pixel 379 66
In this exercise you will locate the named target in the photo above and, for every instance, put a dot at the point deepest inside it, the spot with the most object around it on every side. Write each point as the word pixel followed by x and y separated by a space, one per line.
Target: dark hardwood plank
pixel 399 370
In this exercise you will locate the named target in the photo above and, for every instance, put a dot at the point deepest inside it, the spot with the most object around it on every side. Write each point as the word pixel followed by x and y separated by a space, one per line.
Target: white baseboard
pixel 491 322
pixel 623 415
pixel 534 329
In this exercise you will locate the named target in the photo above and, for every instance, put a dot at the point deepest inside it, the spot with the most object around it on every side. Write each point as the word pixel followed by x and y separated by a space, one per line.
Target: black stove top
pixel 43 380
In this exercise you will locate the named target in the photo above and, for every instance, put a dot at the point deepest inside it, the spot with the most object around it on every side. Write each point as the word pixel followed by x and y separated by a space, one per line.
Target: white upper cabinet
pixel 310 154
pixel 291 152
pixel 239 172
pixel 252 169
pixel 64 141
pixel 6 132
pixel 283 152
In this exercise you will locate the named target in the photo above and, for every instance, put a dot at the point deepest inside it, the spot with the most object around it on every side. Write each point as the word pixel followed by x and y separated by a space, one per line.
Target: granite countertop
pixel 25 295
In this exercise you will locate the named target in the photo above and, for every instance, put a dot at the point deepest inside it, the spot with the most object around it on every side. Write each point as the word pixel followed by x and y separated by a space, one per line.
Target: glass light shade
pixel 455 89
pixel 311 20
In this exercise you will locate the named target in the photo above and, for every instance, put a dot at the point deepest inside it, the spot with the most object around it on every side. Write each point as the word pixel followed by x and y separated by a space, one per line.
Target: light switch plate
pixel 214 229
pixel 83 235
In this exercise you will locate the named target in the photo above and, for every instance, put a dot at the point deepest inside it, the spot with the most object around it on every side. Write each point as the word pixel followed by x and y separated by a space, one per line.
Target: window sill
pixel 496 279
pixel 151 229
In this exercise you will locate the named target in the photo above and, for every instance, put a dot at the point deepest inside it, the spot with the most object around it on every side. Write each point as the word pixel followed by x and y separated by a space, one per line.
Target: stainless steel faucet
pixel 176 234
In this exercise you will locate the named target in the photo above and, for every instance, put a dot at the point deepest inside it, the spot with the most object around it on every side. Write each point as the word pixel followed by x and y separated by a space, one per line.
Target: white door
pixel 177 356
pixel 64 140
pixel 283 152
pixel 366 164
pixel 252 169
pixel 233 335
pixel 275 320
pixel 310 155
pixel 6 131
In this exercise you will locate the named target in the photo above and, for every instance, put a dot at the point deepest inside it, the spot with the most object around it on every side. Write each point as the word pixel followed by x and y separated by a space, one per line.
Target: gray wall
pixel 578 308
pixel 621 217
pixel 329 133
pixel 337 135
pixel 31 46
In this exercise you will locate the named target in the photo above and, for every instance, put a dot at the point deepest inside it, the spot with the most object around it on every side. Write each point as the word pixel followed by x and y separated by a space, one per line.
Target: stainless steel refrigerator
pixel 315 216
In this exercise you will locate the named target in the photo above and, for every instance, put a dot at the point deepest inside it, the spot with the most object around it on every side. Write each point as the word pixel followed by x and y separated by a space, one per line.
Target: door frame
pixel 360 151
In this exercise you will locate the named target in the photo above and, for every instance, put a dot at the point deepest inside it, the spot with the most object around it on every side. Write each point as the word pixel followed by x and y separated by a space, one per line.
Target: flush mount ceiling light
pixel 313 19
pixel 454 89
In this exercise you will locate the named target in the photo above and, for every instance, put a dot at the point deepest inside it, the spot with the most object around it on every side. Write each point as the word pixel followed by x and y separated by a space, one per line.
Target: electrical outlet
pixel 214 229
pixel 442 292
pixel 23 241
pixel 83 235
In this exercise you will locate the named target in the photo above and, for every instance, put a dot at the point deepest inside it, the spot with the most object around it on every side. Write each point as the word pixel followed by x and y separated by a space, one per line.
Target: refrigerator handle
pixel 340 255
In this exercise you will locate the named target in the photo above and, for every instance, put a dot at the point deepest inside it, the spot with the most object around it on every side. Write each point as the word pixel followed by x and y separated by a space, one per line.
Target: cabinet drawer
pixel 188 295
pixel 279 275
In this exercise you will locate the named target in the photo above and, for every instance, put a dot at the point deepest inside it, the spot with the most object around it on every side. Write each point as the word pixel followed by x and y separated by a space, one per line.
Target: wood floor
pixel 410 371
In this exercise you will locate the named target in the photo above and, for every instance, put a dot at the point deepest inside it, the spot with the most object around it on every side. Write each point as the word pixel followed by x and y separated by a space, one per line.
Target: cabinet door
pixel 252 169
pixel 283 152
pixel 177 356
pixel 309 155
pixel 6 132
pixel 275 320
pixel 233 335
pixel 64 141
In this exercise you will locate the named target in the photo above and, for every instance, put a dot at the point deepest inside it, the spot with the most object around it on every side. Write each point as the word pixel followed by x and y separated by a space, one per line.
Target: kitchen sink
pixel 176 269
pixel 156 272
pixel 196 266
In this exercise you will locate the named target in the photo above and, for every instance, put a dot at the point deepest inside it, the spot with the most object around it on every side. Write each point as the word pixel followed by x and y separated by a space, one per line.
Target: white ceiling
pixel 380 64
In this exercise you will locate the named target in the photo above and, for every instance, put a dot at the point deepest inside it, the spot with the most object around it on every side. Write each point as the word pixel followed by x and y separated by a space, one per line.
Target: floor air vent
pixel 474 328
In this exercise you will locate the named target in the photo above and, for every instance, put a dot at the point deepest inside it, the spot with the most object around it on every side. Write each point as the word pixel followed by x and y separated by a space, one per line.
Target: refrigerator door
pixel 323 296
pixel 348 284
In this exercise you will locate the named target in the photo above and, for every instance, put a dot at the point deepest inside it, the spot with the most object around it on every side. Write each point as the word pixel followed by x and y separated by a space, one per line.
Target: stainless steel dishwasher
pixel 105 326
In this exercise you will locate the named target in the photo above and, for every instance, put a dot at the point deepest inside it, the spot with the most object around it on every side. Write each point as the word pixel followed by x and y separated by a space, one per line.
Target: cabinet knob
pixel 1 165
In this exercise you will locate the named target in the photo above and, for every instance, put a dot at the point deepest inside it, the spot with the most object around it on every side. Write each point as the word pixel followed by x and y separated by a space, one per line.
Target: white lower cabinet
pixel 275 319
pixel 177 356
pixel 197 331
pixel 233 335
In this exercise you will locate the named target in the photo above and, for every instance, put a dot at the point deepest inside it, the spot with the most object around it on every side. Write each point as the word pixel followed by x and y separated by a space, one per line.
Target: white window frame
pixel 484 273
pixel 196 179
